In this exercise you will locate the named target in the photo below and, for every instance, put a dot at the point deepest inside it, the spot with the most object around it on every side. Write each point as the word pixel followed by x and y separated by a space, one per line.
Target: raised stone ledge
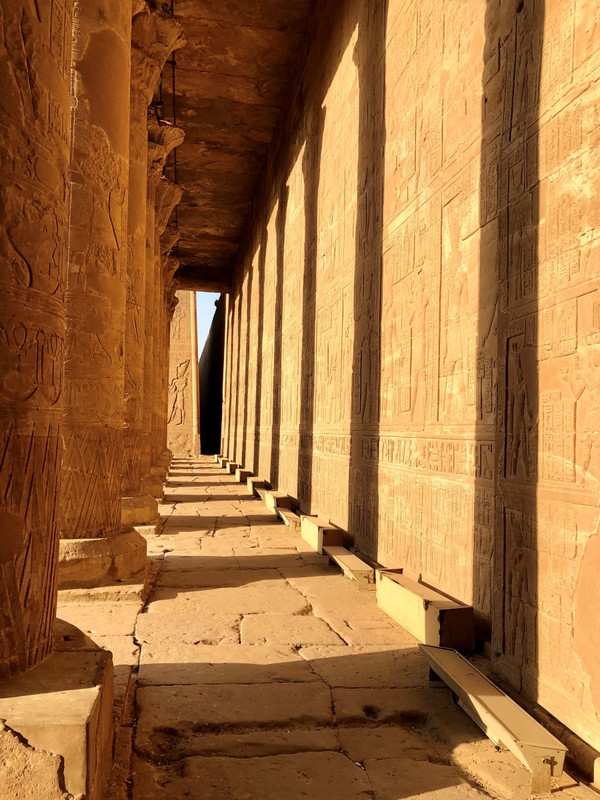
pixel 94 562
pixel 61 709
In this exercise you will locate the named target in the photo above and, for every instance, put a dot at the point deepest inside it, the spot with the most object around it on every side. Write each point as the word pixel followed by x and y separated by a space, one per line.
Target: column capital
pixel 154 36
pixel 168 194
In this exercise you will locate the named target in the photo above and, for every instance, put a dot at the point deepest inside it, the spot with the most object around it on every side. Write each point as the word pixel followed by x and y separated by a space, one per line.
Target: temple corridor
pixel 255 669
pixel 385 216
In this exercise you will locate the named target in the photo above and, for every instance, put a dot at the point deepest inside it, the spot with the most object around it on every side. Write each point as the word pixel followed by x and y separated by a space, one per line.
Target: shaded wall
pixel 413 336
pixel 210 380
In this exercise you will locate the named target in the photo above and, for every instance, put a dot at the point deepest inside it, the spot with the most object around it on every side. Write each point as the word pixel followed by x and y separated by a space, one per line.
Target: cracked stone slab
pixel 387 741
pixel 201 578
pixel 299 776
pixel 261 560
pixel 390 706
pixel 400 777
pixel 261 597
pixel 177 627
pixel 191 563
pixel 172 662
pixel 254 719
pixel 372 666
pixel 101 619
pixel 282 629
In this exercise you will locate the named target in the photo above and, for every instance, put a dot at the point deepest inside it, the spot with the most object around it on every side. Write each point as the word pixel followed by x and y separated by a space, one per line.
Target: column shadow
pixel 311 170
pixel 363 494
pixel 277 343
pixel 505 582
pixel 262 255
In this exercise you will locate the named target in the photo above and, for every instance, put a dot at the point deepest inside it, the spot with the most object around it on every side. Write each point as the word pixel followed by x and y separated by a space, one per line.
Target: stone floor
pixel 256 670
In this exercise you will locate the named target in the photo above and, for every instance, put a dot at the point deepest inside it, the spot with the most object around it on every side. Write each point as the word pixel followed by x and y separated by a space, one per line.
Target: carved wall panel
pixel 183 436
pixel 428 376
pixel 35 41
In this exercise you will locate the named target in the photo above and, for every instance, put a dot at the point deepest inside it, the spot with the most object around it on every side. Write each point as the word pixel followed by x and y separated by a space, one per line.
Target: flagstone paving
pixel 257 670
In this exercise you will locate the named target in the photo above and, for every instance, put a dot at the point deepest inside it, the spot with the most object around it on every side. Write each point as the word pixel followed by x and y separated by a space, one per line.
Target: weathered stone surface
pixel 412 341
pixel 319 776
pixel 64 707
pixel 28 773
pixel 232 719
pixel 399 777
pixel 381 666
pixel 185 623
pixel 183 422
pixel 282 629
pixel 35 55
pixel 171 661
pixel 407 706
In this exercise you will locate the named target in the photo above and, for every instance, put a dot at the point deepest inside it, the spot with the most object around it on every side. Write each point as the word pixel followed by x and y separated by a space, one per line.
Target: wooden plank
pixel 352 566
pixel 499 717
pixel 317 533
pixel 430 616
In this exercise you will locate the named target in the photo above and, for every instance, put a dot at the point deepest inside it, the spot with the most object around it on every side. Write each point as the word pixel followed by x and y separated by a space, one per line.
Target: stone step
pixel 254 484
pixel 231 467
pixel 432 617
pixel 277 500
pixel 317 533
pixel 242 475
pixel 352 566
pixel 499 717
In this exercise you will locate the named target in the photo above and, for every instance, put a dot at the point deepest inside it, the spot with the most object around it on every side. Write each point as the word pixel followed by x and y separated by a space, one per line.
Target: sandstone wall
pixel 183 436
pixel 413 339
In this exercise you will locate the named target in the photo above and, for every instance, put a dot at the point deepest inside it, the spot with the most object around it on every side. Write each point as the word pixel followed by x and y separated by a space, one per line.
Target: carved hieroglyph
pixel 35 56
pixel 425 321
pixel 95 298
pixel 154 37
pixel 182 418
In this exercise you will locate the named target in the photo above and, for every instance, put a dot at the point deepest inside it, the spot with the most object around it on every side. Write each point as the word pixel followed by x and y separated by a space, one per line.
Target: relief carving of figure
pixel 177 389
pixel 519 423
pixel 456 306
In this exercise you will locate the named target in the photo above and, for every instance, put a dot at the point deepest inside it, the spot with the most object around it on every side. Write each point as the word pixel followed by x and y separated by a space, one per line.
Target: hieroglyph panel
pixel 435 349
pixel 182 411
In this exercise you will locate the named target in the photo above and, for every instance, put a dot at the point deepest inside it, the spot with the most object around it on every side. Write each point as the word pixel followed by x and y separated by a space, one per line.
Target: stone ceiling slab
pixel 231 81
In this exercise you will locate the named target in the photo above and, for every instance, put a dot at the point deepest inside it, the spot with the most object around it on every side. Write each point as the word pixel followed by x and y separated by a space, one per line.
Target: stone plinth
pixel 35 108
pixel 106 559
pixel 64 709
pixel 182 417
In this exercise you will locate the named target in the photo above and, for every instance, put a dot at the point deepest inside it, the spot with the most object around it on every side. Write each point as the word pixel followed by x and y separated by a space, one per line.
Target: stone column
pixel 168 195
pixel 183 432
pixel 154 37
pixel 35 53
pixel 162 197
pixel 94 547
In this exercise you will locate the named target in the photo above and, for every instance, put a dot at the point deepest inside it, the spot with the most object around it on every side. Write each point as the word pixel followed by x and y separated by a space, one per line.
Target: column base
pixel 139 510
pixel 154 485
pixel 96 562
pixel 58 732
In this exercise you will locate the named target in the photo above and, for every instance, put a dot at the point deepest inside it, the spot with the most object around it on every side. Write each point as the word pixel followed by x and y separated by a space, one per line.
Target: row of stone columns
pixel 85 277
